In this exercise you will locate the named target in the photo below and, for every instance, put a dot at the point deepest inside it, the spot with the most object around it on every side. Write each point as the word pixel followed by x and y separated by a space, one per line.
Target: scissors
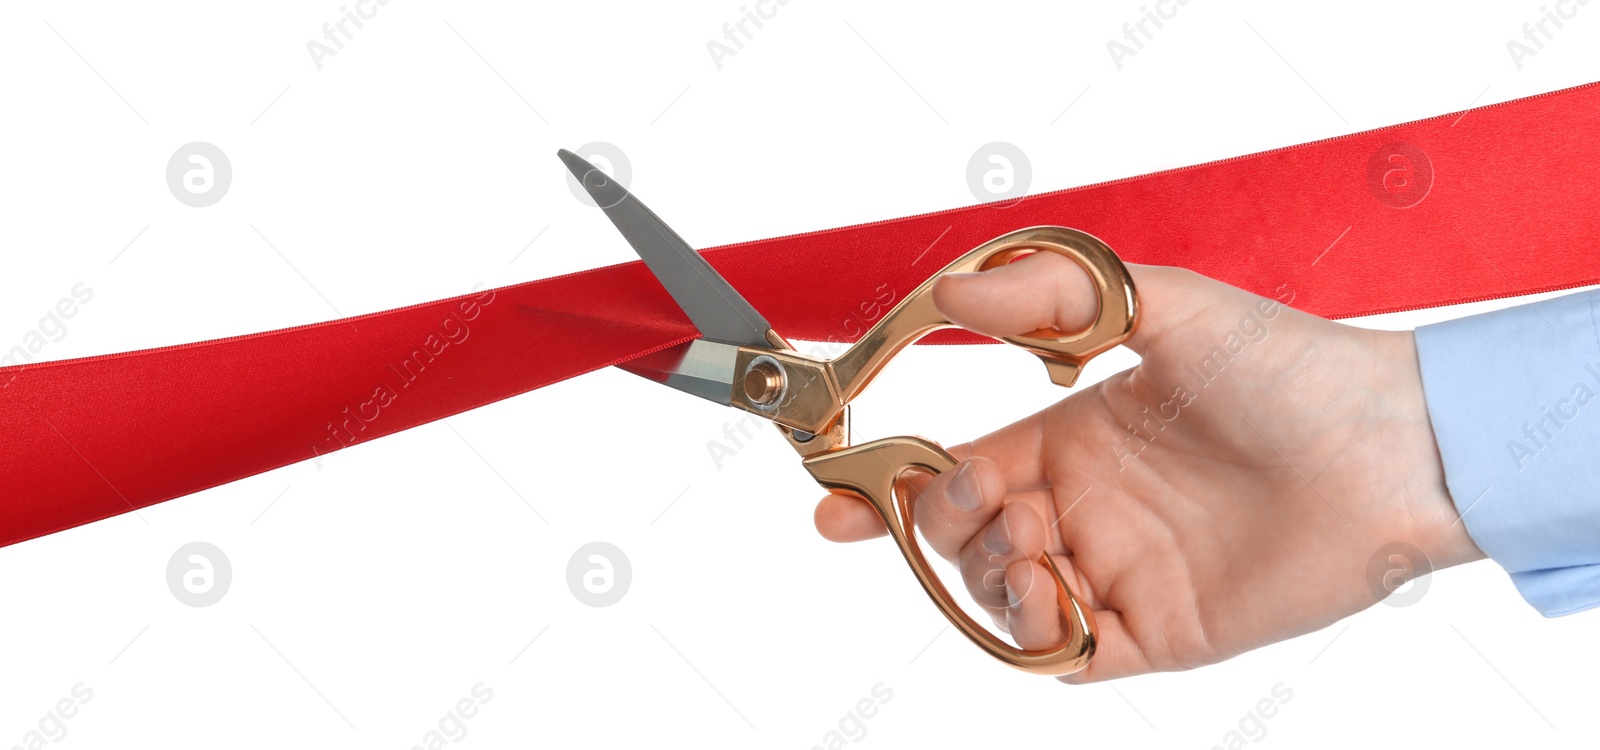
pixel 741 362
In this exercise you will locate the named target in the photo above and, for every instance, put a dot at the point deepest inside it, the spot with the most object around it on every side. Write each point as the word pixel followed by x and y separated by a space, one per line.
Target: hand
pixel 1224 494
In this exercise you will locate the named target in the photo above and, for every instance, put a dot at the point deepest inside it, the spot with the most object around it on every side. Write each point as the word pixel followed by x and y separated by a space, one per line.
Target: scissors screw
pixel 763 382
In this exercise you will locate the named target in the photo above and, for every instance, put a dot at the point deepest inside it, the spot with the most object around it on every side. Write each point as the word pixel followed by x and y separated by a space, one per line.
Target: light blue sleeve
pixel 1514 396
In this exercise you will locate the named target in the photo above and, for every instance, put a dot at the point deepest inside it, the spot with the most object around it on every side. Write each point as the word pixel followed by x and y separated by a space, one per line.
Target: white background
pixel 375 588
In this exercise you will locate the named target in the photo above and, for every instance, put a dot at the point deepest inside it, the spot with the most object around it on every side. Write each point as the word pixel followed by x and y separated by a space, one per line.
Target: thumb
pixel 1041 290
pixel 1048 290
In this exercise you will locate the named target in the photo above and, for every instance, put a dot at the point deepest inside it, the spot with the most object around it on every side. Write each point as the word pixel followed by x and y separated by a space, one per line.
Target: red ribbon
pixel 1496 201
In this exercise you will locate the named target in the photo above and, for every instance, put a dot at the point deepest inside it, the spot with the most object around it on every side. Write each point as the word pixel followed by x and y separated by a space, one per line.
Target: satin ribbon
pixel 1496 201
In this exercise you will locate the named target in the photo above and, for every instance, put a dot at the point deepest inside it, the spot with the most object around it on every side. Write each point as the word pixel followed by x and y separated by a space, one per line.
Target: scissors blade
pixel 701 367
pixel 711 303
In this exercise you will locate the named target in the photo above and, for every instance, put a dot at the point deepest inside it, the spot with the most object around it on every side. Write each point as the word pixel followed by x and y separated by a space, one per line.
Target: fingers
pixel 1032 610
pixel 955 505
pixel 949 508
pixel 1042 290
pixel 1015 535
pixel 1033 618
pixel 999 545
pixel 842 518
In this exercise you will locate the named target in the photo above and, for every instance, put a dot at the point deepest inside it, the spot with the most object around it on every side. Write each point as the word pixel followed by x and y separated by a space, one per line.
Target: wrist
pixel 1430 517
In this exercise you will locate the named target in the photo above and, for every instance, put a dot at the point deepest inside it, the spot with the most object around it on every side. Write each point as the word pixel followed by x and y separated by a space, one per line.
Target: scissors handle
pixel 861 471
pixel 873 471
pixel 1064 354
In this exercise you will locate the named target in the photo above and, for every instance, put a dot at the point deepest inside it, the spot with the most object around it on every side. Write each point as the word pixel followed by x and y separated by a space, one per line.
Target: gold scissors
pixel 739 361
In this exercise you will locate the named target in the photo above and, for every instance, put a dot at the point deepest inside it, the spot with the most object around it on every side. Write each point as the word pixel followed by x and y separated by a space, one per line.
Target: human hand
pixel 1224 494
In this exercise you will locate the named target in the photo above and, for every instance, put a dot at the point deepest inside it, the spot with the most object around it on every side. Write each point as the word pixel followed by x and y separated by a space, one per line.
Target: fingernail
pixel 1011 598
pixel 963 275
pixel 998 538
pixel 964 491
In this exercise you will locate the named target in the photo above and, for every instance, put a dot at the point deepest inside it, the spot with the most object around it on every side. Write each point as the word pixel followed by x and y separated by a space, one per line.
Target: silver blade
pixel 701 367
pixel 711 303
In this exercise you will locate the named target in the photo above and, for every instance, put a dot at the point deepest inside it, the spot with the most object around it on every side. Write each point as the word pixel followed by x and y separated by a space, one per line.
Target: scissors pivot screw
pixel 763 381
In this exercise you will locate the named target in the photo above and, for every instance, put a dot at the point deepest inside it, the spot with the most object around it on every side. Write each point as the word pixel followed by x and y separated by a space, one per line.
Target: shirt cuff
pixel 1514 397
